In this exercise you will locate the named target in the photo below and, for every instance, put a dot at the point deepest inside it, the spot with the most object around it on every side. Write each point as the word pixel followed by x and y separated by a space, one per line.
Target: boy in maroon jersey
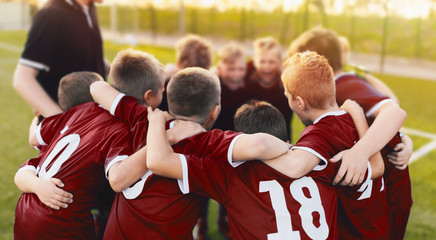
pixel 263 77
pixel 72 161
pixel 375 105
pixel 144 76
pixel 154 207
pixel 362 72
pixel 254 189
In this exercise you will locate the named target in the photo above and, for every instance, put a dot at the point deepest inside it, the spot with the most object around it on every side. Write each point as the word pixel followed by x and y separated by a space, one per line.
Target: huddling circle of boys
pixel 166 139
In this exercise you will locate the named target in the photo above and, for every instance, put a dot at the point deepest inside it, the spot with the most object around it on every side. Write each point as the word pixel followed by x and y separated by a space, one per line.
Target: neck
pixel 190 119
pixel 337 72
pixel 315 113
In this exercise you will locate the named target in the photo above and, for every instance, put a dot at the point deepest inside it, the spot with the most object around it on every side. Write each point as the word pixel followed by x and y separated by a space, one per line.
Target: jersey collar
pixel 337 77
pixel 333 113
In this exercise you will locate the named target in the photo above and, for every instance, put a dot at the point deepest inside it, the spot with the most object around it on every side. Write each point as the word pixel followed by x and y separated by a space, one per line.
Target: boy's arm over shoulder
pixel 388 121
pixel 376 160
pixel 103 94
pixel 161 159
pixel 258 146
pixel 295 163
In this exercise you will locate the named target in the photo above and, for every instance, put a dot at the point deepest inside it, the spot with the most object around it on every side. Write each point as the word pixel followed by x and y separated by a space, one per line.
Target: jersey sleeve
pixel 211 177
pixel 217 143
pixel 31 164
pixel 120 147
pixel 127 108
pixel 40 48
pixel 357 89
pixel 48 129
pixel 314 142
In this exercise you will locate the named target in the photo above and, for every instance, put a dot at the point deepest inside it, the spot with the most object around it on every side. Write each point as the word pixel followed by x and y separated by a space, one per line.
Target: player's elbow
pixel 153 165
pixel 117 182
pixel 17 82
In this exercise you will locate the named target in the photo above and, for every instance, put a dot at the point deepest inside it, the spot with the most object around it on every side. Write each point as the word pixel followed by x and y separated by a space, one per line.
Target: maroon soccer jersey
pixel 361 210
pixel 78 146
pixel 397 182
pixel 154 207
pixel 261 201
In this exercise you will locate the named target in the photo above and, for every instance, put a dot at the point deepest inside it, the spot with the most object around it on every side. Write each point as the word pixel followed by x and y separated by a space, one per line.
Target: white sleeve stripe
pixel 230 152
pixel 319 166
pixel 28 167
pixel 184 182
pixel 115 103
pixel 38 134
pixel 112 162
pixel 33 64
pixel 376 107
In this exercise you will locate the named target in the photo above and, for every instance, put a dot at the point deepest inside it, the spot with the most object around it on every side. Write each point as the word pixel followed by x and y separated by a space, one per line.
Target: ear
pixel 215 112
pixel 148 95
pixel 301 103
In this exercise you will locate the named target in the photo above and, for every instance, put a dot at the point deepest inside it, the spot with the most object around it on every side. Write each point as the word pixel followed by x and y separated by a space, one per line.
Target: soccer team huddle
pixel 167 138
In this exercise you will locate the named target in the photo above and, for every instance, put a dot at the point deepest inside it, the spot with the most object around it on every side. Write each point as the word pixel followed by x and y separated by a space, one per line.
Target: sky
pixel 405 8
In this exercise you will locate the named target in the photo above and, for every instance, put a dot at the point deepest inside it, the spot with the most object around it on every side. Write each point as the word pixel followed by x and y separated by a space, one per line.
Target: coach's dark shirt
pixel 63 39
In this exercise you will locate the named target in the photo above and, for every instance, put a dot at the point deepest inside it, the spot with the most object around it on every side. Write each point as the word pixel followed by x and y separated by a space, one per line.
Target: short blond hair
pixel 230 52
pixel 194 51
pixel 261 45
pixel 309 75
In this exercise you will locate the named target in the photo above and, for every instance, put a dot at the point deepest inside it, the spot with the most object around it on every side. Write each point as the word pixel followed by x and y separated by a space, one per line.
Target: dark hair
pixel 193 92
pixel 133 72
pixel 74 89
pixel 323 41
pixel 260 116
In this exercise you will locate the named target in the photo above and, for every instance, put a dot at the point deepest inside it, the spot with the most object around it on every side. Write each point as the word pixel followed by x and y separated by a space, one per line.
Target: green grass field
pixel 248 25
pixel 417 98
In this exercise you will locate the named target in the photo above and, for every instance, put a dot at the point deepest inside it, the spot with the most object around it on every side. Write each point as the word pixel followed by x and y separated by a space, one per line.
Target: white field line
pixel 10 47
pixel 424 150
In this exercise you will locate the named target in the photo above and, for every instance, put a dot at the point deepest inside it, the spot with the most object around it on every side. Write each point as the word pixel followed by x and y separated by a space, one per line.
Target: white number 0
pixel 69 144
pixel 308 206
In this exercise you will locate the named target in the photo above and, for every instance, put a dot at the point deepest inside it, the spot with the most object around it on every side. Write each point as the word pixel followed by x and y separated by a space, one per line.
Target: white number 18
pixel 308 206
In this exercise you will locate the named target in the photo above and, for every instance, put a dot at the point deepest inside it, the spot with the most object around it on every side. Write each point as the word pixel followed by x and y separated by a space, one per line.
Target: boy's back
pixel 308 204
pixel 155 204
pixel 77 147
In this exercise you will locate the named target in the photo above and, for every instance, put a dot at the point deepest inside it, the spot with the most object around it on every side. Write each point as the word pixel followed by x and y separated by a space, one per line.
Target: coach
pixel 64 38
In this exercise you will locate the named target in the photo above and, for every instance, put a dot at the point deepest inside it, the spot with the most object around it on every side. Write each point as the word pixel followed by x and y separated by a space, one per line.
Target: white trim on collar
pixel 344 74
pixel 333 113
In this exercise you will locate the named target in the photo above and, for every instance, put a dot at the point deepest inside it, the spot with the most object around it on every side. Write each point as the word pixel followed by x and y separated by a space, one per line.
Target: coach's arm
pixel 27 86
